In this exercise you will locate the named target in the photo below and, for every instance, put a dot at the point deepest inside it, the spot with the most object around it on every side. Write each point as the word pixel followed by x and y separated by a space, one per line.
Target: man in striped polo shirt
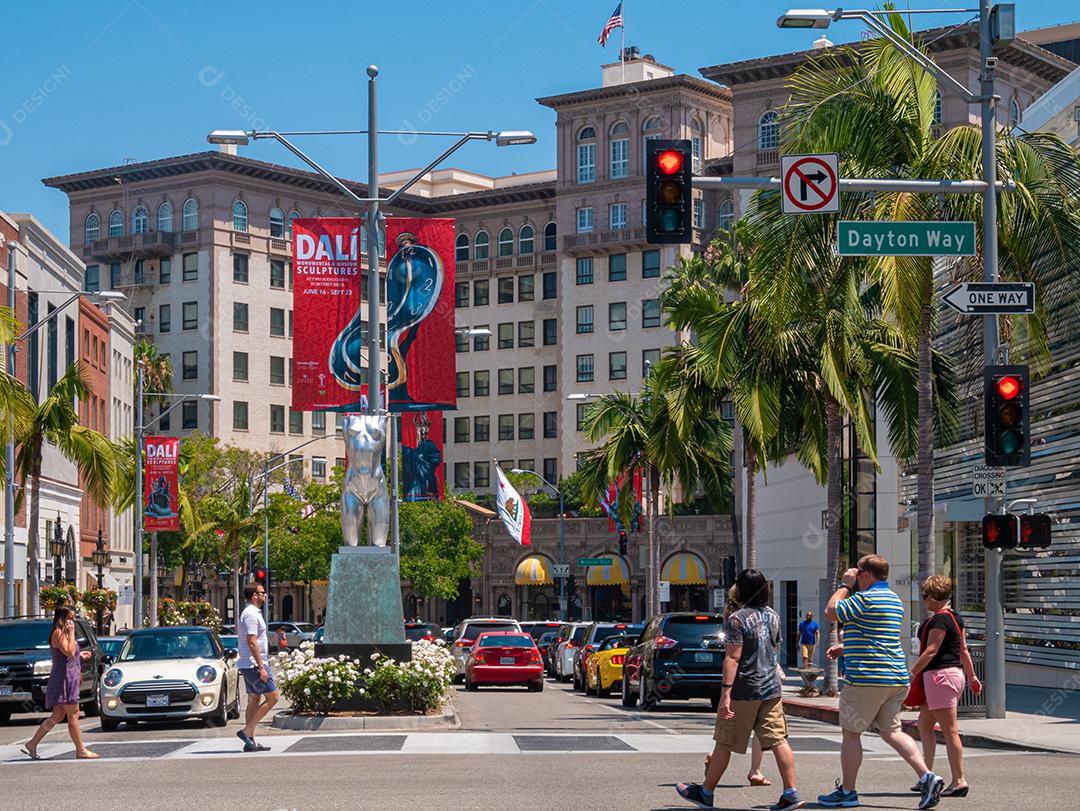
pixel 875 677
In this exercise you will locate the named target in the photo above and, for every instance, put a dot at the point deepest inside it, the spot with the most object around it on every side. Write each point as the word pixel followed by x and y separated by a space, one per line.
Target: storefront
pixel 686 574
pixel 537 596
pixel 609 590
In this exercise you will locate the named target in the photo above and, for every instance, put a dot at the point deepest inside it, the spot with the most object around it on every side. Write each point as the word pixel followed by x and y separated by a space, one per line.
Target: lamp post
pixel 56 549
pixel 562 537
pixel 99 557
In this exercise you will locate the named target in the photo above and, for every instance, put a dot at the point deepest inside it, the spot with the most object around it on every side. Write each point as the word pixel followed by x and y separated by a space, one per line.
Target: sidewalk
pixel 1037 719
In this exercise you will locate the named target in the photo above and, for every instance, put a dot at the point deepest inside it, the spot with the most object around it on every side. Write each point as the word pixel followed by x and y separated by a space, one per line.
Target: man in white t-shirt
pixel 252 662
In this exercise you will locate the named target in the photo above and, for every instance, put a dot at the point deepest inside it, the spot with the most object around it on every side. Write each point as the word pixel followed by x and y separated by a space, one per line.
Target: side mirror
pixel 231 653
pixel 106 661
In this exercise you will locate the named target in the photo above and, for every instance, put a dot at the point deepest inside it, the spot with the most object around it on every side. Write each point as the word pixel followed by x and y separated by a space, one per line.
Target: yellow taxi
pixel 603 671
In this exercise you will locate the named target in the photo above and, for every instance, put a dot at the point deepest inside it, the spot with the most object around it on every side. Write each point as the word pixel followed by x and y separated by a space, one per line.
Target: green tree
pixel 437 547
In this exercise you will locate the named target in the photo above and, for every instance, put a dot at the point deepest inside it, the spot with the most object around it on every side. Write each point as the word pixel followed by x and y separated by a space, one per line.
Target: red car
pixel 504 657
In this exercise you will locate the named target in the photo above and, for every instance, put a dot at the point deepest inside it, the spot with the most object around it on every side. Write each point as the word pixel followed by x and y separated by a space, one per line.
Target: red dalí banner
pixel 328 343
pixel 161 486
pixel 420 314
pixel 422 456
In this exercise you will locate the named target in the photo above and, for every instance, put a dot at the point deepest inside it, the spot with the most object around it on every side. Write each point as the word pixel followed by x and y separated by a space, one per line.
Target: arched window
pixel 549 237
pixel 1015 116
pixel 768 130
pixel 725 215
pixel 697 145
pixel 587 134
pixel 650 131
pixel 91 227
pixel 116 224
pixel 239 216
pixel 619 150
pixel 277 223
pixel 525 239
pixel 586 155
pixel 480 245
pixel 461 248
pixel 293 215
pixel 191 214
pixel 937 107
pixel 506 242
pixel 140 220
pixel 164 217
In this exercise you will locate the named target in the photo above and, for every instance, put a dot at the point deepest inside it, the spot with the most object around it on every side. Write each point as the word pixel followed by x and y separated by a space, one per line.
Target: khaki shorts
pixel 807 652
pixel 863 707
pixel 765 719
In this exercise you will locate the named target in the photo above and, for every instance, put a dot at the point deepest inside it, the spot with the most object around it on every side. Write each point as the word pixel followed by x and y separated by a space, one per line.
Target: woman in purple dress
pixel 62 691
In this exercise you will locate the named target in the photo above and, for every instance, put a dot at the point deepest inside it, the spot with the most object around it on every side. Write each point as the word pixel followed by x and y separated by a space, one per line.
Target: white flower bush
pixel 314 685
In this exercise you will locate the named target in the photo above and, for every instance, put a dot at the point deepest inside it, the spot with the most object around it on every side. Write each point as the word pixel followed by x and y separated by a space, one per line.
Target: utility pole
pixel 137 612
pixel 9 460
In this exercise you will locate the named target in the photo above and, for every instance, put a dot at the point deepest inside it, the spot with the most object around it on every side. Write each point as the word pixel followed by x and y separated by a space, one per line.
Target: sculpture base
pixel 364 601
pixel 399 652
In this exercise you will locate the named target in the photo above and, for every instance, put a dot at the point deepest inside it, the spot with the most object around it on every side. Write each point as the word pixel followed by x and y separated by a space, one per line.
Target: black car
pixel 594 635
pixel 415 631
pixel 547 644
pixel 26 661
pixel 537 628
pixel 679 655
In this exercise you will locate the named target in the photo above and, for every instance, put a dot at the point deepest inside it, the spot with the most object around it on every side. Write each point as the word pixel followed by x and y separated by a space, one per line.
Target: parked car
pixel 228 630
pixel 537 628
pixel 466 633
pixel 229 641
pixel 546 644
pixel 603 671
pixel 171 673
pixel 26 662
pixel 295 633
pixel 570 636
pixel 415 631
pixel 679 655
pixel 110 645
pixel 596 633
pixel 504 657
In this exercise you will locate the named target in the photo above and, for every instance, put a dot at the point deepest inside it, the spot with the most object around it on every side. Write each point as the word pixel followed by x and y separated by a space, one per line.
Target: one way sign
pixel 992 298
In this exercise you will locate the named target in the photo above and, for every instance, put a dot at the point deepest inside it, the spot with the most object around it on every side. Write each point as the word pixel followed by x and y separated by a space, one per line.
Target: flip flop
pixel 33 756
pixel 760 780
pixel 88 756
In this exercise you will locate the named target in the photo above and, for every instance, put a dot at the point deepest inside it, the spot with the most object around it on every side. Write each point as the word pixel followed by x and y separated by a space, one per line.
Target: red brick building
pixel 93 411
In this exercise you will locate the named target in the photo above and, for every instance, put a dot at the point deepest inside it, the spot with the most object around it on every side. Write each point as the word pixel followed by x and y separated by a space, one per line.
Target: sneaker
pixel 260 747
pixel 695 793
pixel 932 785
pixel 247 740
pixel 839 798
pixel 788 801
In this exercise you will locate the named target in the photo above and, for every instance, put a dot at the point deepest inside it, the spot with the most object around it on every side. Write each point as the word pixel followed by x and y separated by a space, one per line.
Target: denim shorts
pixel 256 685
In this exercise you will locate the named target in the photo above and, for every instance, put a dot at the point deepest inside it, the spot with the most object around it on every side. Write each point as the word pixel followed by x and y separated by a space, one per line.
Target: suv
pixel 590 643
pixel 570 637
pixel 537 628
pixel 466 633
pixel 679 655
pixel 26 661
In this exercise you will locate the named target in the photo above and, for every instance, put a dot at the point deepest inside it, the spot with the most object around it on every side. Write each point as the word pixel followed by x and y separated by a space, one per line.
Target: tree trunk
pixel 834 506
pixel 927 552
pixel 749 520
pixel 33 541
pixel 237 597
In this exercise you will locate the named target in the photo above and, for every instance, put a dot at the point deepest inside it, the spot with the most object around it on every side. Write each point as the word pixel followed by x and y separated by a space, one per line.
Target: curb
pixel 447 719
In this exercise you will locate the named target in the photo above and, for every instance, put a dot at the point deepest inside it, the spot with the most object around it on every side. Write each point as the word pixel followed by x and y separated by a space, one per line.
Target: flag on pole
pixel 614 21
pixel 290 489
pixel 513 510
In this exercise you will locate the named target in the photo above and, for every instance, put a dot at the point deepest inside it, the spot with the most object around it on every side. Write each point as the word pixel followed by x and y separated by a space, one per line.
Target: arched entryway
pixel 537 597
pixel 686 573
pixel 609 590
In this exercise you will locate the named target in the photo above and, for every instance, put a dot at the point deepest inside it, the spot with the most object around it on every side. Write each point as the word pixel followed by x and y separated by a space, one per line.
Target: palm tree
pixel 235 525
pixel 56 421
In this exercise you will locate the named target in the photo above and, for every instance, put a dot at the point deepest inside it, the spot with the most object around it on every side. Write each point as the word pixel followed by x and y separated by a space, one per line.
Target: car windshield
pixel 691 630
pixel 545 638
pixel 600 634
pixel 415 632
pixel 474 629
pixel 579 634
pixel 25 636
pixel 620 641
pixel 110 647
pixel 507 641
pixel 196 645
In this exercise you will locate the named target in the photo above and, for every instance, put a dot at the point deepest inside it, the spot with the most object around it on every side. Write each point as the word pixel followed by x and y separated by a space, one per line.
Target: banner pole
pixel 374 356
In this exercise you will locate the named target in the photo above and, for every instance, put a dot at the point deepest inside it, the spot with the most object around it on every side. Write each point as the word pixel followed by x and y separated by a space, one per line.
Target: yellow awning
pixel 535 570
pixel 615 574
pixel 684 568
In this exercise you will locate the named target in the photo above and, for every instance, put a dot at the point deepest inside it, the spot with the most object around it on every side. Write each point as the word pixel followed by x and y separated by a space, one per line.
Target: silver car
pixel 466 632
pixel 571 634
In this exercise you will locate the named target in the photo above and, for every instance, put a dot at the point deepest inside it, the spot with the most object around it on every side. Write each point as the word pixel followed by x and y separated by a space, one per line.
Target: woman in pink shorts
pixel 942 664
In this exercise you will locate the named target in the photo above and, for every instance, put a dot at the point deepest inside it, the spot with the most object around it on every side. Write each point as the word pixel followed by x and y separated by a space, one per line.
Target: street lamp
pixel 562 536
pixel 99 557
pixel 473 332
pixel 56 549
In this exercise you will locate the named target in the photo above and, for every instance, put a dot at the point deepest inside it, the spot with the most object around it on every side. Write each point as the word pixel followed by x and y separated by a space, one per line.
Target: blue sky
pixel 87 84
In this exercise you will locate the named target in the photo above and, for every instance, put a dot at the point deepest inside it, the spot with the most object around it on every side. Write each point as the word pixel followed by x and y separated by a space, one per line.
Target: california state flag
pixel 513 510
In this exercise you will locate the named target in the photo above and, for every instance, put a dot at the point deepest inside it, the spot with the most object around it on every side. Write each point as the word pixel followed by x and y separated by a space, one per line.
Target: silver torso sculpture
pixel 365 480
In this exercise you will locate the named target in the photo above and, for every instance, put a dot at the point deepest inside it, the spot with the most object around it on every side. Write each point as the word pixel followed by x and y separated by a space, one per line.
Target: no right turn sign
pixel 810 183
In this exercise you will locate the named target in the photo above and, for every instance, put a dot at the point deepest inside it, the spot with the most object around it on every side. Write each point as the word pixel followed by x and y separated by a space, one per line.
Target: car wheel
pixel 601 690
pixel 221 716
pixel 109 724
pixel 472 686
pixel 628 699
pixel 646 701
pixel 459 679
pixel 536 686
pixel 5 716
pixel 91 707
pixel 234 711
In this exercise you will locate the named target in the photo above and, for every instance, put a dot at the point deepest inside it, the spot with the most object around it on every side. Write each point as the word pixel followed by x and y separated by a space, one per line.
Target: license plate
pixel 506 660
pixel 703 657
pixel 157 700
pixel 5 689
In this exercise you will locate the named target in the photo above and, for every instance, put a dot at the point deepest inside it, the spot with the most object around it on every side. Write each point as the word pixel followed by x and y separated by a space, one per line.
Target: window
pixel 699 213
pixel 277 322
pixel 93 278
pixel 239 415
pixel 616 315
pixel 551 376
pixel 481 474
pixel 550 232
pixel 584 368
pixel 480 245
pixel 526 380
pixel 461 475
pixel 191 214
pixel 240 268
pixel 584 319
pixel 551 331
pixel 617 216
pixel 725 215
pixel 164 270
pixel 461 294
pixel 116 224
pixel 506 336
pixel 91 227
pixel 318 464
pixel 616 366
pixel 140 271
pixel 277 419
pixel 277 274
pixel 191 365
pixel 481 292
pixel 140 220
pixel 463 384
pixel 293 215
pixel 580 413
pixel 616 267
pixel 461 429
pixel 164 217
pixel 277 223
pixel 481 343
pixel 339 423
pixel 191 314
pixel 526 427
pixel 1015 115
pixel 768 130
pixel 189 415
pixel 164 317
pixel 240 366
pixel 619 149
pixel 585 220
pixel 191 267
pixel 318 423
pixel 586 156
pixel 652 129
pixel 461 248
pixel 650 264
pixel 240 217
pixel 277 371
pixel 506 381
pixel 550 284
pixel 506 290
pixel 114 275
pixel 650 312
pixel 506 242
pixel 649 358
pixel 461 342
pixel 481 383
pixel 526 287
pixel 506 426
pixel 551 423
pixel 525 240
pixel 239 316
pixel 481 429
pixel 526 333
pixel 550 471
pixel 382 330
pixel 584 270
pixel 296 422
pixel 696 145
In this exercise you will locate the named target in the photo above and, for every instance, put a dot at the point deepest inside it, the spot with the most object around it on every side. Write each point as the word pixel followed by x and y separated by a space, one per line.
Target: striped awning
pixel 615 574
pixel 684 568
pixel 535 570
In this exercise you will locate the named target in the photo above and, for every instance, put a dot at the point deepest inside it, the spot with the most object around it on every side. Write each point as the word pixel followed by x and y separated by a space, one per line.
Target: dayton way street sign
pixel 594 561
pixel 987 482
pixel 979 298
pixel 810 184
pixel 887 238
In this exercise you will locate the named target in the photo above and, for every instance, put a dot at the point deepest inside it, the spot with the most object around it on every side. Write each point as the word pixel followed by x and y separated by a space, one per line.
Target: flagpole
pixel 622 42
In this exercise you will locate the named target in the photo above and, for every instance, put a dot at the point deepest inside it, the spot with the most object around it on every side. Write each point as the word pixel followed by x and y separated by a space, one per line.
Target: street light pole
pixel 137 612
pixel 374 355
pixel 9 460
pixel 563 607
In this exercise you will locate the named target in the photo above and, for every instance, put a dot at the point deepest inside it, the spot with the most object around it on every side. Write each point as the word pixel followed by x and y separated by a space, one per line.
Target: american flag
pixel 307 511
pixel 614 21
pixel 290 489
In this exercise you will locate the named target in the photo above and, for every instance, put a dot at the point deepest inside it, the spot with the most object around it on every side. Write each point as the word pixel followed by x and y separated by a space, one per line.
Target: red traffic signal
pixel 1035 531
pixel 1008 387
pixel 260 574
pixel 670 161
pixel 1008 417
pixel 668 192
pixel 999 531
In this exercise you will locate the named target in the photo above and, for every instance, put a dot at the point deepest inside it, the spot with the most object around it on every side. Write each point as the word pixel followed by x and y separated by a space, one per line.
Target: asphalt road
pixel 514 749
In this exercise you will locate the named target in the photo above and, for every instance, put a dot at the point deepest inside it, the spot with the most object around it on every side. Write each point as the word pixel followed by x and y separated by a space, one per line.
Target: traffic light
pixel 1008 418
pixel 1034 531
pixel 260 575
pixel 622 542
pixel 668 192
pixel 729 572
pixel 999 531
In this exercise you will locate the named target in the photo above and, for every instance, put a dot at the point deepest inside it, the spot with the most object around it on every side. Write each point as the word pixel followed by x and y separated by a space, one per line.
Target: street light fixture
pixel 229 137
pixel 99 557
pixel 562 537
pixel 805 18
pixel 473 332
pixel 57 549
pixel 514 138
